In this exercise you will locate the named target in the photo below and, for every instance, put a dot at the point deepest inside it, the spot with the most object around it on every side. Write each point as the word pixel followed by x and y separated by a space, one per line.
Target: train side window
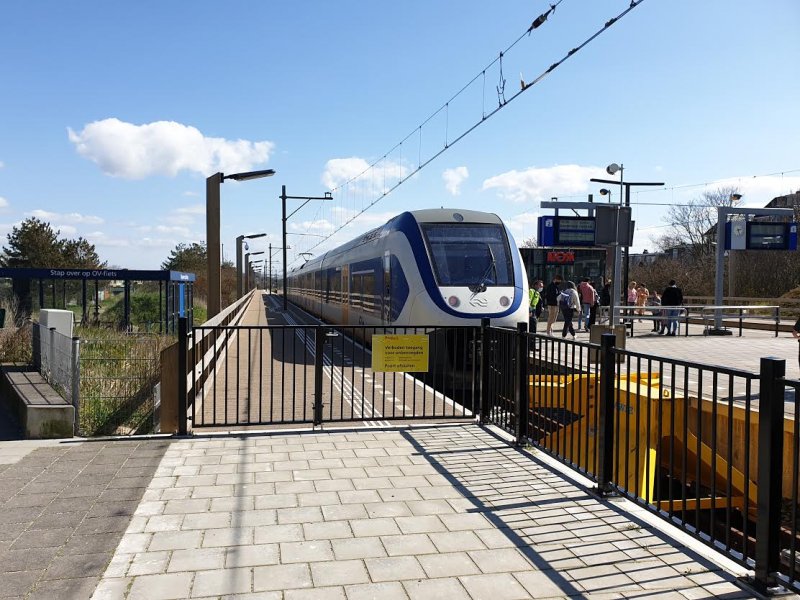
pixel 368 291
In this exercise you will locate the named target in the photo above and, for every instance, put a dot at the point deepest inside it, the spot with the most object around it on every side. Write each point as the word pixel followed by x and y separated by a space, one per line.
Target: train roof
pixel 429 215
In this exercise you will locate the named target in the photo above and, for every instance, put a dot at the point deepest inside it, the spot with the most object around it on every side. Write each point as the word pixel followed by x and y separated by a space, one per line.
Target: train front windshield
pixel 469 254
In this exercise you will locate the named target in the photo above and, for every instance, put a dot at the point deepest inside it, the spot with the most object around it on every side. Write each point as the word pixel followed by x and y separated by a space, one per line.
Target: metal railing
pixel 725 313
pixel 55 356
pixel 117 379
pixel 708 448
pixel 291 374
pixel 657 315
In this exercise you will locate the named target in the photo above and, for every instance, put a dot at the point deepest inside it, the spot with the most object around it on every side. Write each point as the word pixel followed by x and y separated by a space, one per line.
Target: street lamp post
pixel 253 271
pixel 213 231
pixel 284 198
pixel 247 265
pixel 612 169
pixel 239 241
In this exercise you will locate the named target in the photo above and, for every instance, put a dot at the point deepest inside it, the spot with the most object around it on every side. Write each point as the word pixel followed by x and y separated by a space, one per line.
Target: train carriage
pixel 438 267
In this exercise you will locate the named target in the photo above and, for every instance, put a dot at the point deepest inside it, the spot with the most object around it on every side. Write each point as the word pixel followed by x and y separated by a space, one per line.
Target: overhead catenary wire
pixel 403 176
pixel 720 181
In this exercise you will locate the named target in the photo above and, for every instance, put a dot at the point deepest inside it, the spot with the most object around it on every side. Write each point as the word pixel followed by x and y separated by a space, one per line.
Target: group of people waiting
pixel 665 320
pixel 568 300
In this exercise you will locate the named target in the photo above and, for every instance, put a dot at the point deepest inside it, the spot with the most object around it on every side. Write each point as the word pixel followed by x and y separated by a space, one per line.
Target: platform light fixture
pixel 213 184
pixel 239 240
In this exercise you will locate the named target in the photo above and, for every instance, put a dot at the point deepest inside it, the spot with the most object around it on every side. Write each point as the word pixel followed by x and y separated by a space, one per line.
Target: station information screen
pixel 767 236
pixel 574 231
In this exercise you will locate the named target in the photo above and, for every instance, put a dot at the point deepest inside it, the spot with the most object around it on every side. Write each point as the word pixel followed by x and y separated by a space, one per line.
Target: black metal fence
pixel 713 450
pixel 291 374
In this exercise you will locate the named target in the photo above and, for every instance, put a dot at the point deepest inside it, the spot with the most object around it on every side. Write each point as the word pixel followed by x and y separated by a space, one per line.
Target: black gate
pixel 294 374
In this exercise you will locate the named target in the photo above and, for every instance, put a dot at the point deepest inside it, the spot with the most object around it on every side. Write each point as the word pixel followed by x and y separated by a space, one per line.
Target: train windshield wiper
pixel 481 285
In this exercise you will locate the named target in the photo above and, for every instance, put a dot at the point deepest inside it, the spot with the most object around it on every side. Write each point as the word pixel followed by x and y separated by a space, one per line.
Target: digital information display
pixel 767 236
pixel 574 231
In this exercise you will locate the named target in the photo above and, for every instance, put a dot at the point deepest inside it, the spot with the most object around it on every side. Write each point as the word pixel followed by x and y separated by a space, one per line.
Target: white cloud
pixel 523 226
pixel 131 151
pixel 66 230
pixel 2 164
pixel 185 215
pixel 3 202
pixel 176 230
pixel 453 178
pixel 190 194
pixel 74 218
pixel 385 172
pixel 534 184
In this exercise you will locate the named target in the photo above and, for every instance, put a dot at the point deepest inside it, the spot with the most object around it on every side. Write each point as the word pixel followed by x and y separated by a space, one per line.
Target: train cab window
pixel 469 253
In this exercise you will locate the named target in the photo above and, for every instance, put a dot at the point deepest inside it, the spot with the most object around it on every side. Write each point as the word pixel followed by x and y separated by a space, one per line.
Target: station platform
pixel 266 376
pixel 432 511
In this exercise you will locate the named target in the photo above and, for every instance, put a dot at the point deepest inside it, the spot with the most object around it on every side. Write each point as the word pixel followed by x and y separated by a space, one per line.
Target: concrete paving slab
pixel 59 536
pixel 474 518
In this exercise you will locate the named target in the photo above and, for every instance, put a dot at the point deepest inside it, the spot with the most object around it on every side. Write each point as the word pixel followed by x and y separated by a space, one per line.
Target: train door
pixel 345 294
pixel 386 312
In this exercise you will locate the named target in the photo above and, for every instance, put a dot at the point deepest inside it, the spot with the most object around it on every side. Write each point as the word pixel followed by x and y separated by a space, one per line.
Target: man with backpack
pixel 569 303
pixel 551 301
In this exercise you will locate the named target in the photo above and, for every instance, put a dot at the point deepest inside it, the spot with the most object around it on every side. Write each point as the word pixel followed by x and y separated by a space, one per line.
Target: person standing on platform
pixel 642 294
pixel 551 301
pixel 672 296
pixel 605 299
pixel 569 302
pixel 535 302
pixel 796 335
pixel 593 310
pixel 655 301
pixel 586 294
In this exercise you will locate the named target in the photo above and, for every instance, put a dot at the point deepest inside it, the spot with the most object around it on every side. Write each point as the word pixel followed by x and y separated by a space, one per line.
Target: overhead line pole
pixel 285 218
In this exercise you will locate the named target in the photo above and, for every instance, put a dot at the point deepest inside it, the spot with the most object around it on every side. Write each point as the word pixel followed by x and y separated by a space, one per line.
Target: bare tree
pixel 530 243
pixel 693 224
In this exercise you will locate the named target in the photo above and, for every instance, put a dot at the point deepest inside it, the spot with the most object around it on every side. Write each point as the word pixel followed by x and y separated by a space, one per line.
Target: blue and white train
pixel 437 267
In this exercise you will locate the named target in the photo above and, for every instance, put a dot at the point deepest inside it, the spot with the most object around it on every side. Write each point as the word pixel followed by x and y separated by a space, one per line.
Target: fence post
pixel 521 384
pixel 76 382
pixel 51 353
pixel 183 392
pixel 770 468
pixel 484 374
pixel 319 350
pixel 36 338
pixel 605 425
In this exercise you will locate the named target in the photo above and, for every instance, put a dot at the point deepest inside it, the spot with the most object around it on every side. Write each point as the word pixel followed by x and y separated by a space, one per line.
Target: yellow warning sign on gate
pixel 400 353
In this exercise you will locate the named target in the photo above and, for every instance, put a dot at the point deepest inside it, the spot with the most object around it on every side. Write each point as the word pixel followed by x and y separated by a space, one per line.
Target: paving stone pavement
pixel 64 507
pixel 412 513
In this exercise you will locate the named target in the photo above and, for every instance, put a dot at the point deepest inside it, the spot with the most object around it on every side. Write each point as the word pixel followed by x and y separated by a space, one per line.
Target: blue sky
pixel 113 114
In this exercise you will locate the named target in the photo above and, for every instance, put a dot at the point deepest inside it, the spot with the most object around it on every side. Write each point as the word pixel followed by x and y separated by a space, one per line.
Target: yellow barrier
pixel 565 419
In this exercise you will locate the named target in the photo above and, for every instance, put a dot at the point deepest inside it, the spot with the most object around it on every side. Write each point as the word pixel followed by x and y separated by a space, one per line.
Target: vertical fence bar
pixel 319 348
pixel 605 442
pixel 770 468
pixel 521 383
pixel 183 352
pixel 75 381
pixel 483 389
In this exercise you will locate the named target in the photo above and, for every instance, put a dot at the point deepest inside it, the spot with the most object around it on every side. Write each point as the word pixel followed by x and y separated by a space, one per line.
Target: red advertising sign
pixel 561 257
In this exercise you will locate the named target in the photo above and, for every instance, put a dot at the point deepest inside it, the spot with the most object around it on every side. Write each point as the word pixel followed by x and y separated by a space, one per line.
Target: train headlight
pixel 505 301
pixel 453 301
